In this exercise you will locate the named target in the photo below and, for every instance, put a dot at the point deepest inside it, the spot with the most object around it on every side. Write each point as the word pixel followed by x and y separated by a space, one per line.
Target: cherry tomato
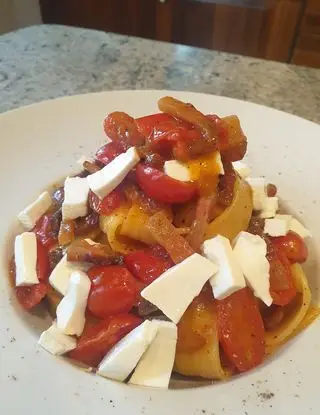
pixel 108 152
pixel 47 229
pixel 293 246
pixel 122 129
pixel 147 125
pixel 163 188
pixel 146 266
pixel 107 205
pixel 96 340
pixel 114 290
pixel 241 330
pixel 30 296
pixel 282 287
pixel 165 133
pixel 43 266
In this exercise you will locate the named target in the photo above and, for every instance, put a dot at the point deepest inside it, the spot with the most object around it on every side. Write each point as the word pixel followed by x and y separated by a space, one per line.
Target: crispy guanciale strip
pixel 200 224
pixel 91 167
pixel 66 232
pixel 188 113
pixel 86 250
pixel 169 237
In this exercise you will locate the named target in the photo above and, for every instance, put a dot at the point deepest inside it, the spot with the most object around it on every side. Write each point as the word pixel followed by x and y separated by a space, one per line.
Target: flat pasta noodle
pixel 204 361
pixel 236 217
pixel 111 226
pixel 295 312
pixel 312 314
pixel 134 225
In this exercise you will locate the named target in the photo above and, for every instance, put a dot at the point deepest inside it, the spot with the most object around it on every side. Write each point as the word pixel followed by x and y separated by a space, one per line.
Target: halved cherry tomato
pixel 43 266
pixel 165 133
pixel 47 229
pixel 293 246
pixel 107 205
pixel 146 266
pixel 114 290
pixel 96 340
pixel 108 152
pixel 30 296
pixel 163 188
pixel 148 124
pixel 282 287
pixel 241 330
pixel 122 129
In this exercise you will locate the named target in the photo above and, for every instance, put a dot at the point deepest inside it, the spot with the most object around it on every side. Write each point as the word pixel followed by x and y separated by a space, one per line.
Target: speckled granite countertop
pixel 44 62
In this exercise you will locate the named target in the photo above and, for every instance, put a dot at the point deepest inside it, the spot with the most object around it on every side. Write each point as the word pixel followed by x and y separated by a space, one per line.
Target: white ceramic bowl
pixel 39 145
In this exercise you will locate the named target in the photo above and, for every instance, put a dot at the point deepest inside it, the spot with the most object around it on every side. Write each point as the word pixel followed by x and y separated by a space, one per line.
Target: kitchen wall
pixel 18 13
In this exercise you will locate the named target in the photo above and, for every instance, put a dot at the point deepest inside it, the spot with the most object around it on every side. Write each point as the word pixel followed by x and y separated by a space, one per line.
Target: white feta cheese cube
pixel 120 361
pixel 298 228
pixel 242 169
pixel 286 218
pixel 275 227
pixel 32 213
pixel 75 204
pixel 175 289
pixel 250 251
pixel 55 342
pixel 177 170
pixel 155 367
pixel 258 187
pixel 60 275
pixel 107 179
pixel 229 277
pixel 71 309
pixel 270 207
pixel 25 254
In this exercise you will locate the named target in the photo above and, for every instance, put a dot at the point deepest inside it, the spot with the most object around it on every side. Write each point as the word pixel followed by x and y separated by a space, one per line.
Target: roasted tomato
pixel 30 296
pixel 43 265
pixel 97 339
pixel 122 130
pixel 293 246
pixel 108 152
pixel 163 188
pixel 108 204
pixel 146 265
pixel 114 290
pixel 47 228
pixel 241 330
pixel 282 287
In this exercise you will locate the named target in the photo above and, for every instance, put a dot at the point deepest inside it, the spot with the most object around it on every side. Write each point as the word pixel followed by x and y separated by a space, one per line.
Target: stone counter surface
pixel 44 62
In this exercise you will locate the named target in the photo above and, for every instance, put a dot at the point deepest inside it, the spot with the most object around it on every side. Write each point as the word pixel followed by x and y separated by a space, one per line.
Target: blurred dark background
pixel 282 30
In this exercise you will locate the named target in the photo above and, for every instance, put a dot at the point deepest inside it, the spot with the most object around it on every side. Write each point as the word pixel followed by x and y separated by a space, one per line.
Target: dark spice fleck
pixel 12 340
pixel 265 396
